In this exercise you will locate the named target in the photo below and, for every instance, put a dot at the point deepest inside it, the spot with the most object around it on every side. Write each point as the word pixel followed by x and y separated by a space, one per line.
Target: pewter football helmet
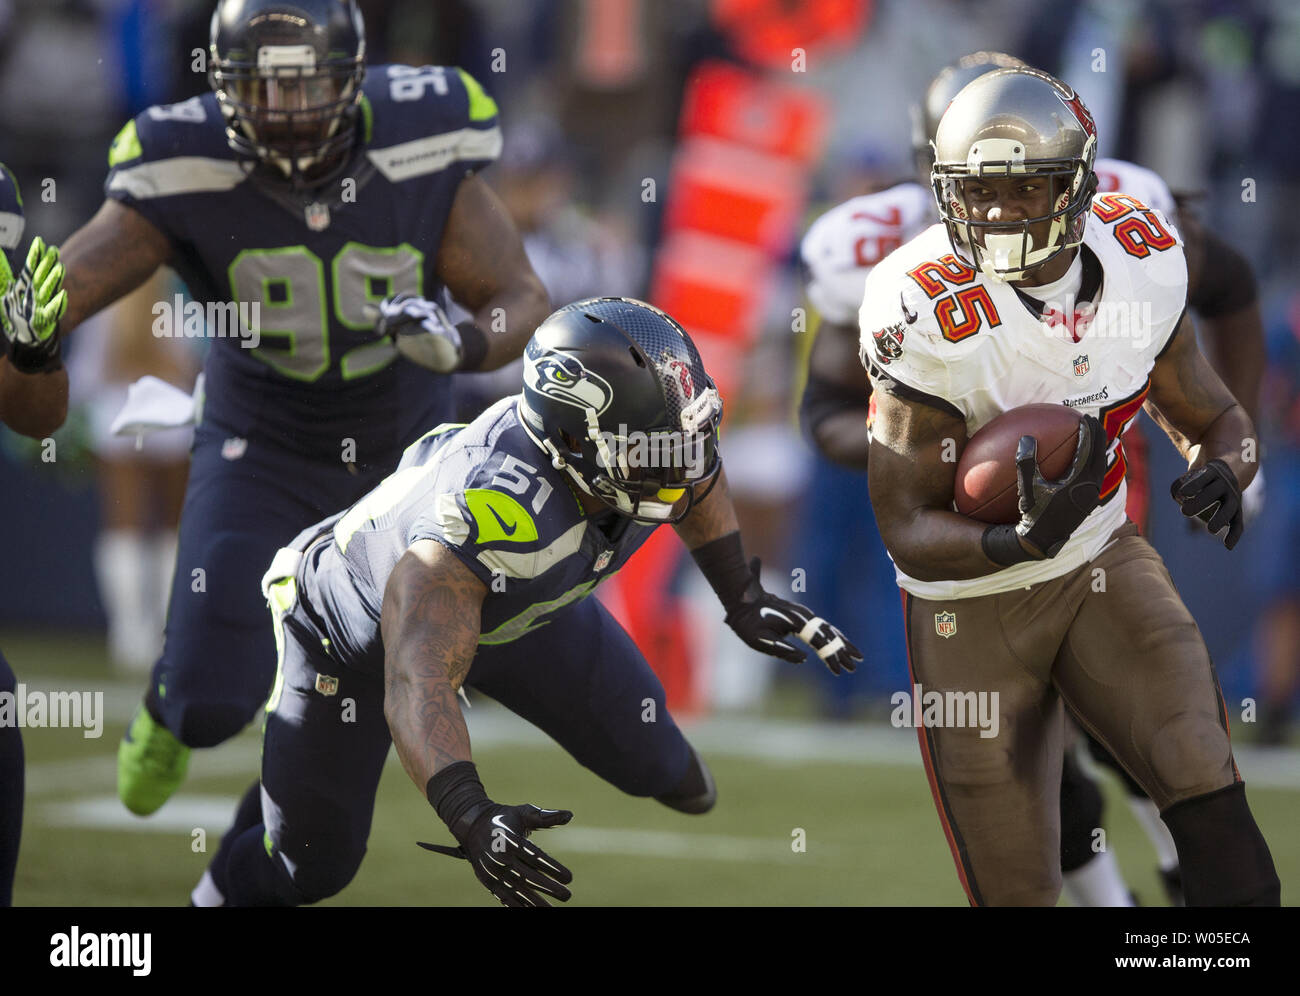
pixel 1006 123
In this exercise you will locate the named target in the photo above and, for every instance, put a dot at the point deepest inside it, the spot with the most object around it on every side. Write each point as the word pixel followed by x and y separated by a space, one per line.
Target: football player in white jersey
pixel 839 251
pixel 1031 291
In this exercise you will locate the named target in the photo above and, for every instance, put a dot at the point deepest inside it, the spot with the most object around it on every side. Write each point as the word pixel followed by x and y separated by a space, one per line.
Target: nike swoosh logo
pixel 778 614
pixel 508 529
pixel 908 314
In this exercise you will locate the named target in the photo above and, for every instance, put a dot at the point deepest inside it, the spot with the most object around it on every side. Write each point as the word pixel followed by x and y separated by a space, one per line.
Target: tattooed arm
pixel 711 518
pixel 430 627
pixel 107 258
pixel 1199 413
pixel 912 492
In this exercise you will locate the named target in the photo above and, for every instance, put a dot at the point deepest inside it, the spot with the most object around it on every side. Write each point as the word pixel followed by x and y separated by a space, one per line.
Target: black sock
pixel 1221 853
pixel 1081 809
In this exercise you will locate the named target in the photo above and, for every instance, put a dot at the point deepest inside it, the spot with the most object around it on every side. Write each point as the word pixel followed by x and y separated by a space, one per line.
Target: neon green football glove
pixel 30 311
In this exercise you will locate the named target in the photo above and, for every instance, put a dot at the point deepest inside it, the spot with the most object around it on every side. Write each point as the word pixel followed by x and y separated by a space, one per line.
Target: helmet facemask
pixel 651 476
pixel 1006 250
pixel 288 110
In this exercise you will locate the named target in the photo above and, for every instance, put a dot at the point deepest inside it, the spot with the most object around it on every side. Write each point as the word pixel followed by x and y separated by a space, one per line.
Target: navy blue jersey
pixel 487 493
pixel 313 263
pixel 11 219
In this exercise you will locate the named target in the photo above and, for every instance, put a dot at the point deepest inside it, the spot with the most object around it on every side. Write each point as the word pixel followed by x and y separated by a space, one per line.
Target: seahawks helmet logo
pixel 565 379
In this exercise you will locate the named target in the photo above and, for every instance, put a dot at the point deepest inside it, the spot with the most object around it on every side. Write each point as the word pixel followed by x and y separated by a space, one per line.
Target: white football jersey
pixel 1114 175
pixel 843 245
pixel 935 329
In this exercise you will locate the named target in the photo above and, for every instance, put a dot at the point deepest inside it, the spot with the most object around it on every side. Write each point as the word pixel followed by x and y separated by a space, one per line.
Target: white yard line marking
pixel 105 812
pixel 186 813
pixel 776 742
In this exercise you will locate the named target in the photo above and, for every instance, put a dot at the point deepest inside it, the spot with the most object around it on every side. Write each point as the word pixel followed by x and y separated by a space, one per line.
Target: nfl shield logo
pixel 327 685
pixel 234 448
pixel 318 216
pixel 945 623
pixel 1081 364
pixel 603 560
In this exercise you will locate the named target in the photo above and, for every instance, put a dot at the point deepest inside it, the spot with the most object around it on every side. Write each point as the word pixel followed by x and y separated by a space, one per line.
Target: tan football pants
pixel 1113 642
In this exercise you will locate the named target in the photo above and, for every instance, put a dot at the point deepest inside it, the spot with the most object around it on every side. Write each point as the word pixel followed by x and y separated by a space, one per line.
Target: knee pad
pixel 1221 853
pixel 1081 809
pixel 696 792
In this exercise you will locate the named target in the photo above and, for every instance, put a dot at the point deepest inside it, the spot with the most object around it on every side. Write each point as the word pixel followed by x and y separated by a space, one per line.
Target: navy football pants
pixel 579 678
pixel 11 791
pixel 218 658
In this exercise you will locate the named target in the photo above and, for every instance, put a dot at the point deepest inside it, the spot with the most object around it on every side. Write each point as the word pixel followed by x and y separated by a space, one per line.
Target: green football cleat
pixel 151 764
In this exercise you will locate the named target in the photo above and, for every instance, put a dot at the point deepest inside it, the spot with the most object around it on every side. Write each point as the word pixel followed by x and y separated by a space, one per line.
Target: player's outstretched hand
pixel 495 843
pixel 30 311
pixel 421 332
pixel 1212 494
pixel 1050 511
pixel 762 619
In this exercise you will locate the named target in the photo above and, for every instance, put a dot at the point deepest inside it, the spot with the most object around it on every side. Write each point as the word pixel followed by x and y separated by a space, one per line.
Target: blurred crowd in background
pixel 606 129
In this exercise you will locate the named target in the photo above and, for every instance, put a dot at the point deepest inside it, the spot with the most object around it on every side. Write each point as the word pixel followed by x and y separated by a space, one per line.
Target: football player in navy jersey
pixel 34 402
pixel 471 565
pixel 321 195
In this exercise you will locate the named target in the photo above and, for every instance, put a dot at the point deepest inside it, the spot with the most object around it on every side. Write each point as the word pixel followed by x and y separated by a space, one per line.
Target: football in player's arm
pixel 912 483
pixel 843 245
pixel 958 327
pixel 33 383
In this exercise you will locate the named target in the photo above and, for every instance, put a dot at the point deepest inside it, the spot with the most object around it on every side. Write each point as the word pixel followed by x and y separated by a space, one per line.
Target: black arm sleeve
pixel 1227 282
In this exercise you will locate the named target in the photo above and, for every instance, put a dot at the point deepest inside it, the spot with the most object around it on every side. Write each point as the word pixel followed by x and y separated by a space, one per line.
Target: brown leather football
pixel 985 488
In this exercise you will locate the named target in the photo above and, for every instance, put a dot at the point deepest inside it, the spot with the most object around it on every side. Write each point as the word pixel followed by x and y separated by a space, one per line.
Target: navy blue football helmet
pixel 287 75
pixel 616 394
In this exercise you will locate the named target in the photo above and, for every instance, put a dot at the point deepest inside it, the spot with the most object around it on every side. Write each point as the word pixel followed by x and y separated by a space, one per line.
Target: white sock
pixel 123 569
pixel 206 892
pixel 1098 883
pixel 1149 816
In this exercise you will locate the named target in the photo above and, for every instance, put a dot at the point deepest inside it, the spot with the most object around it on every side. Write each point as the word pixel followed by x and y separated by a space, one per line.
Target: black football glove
pixel 1211 493
pixel 494 839
pixel 761 619
pixel 1050 511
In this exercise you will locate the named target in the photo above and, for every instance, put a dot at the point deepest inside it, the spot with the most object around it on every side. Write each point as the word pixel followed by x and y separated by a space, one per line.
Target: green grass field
pixel 857 792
